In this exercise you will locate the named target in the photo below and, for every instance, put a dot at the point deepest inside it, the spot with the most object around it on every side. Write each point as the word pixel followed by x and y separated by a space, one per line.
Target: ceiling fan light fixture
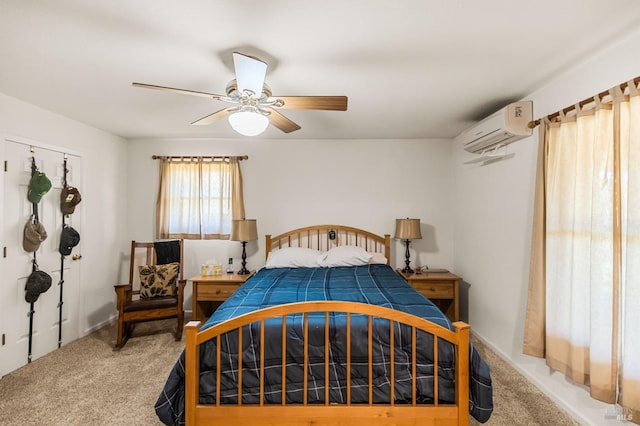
pixel 248 123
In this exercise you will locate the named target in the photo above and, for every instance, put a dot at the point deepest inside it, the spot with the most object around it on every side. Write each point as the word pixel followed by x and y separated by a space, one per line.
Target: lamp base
pixel 244 270
pixel 407 269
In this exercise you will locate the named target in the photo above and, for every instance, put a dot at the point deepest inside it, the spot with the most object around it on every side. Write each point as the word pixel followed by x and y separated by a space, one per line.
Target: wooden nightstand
pixel 439 287
pixel 210 289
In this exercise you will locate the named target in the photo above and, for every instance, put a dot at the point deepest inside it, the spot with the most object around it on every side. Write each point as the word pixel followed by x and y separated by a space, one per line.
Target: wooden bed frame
pixel 329 412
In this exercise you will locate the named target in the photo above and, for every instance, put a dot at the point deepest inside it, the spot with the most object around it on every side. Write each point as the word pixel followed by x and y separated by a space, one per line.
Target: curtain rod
pixel 204 157
pixel 582 103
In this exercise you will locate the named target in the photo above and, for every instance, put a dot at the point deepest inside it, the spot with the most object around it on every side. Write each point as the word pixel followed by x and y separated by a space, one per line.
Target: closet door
pixel 17 263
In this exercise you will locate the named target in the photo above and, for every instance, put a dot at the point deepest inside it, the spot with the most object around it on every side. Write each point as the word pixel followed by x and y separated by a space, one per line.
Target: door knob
pixel 76 257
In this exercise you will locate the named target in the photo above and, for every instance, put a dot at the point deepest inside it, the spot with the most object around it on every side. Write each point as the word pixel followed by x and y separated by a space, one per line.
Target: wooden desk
pixel 439 287
pixel 207 290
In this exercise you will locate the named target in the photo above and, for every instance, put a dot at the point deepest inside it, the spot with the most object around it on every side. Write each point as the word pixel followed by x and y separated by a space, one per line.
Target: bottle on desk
pixel 230 266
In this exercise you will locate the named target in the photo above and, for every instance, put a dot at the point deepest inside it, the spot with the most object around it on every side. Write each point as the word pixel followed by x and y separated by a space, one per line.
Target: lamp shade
pixel 408 229
pixel 244 230
pixel 248 123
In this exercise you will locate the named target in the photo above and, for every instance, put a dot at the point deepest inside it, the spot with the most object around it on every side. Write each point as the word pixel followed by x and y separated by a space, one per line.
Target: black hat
pixel 38 186
pixel 69 199
pixel 69 238
pixel 38 282
pixel 33 235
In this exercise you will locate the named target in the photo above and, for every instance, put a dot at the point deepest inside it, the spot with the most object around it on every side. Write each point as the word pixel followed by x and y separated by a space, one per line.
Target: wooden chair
pixel 133 309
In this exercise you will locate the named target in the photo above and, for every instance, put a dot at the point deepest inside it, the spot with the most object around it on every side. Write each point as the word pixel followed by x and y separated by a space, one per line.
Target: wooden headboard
pixel 319 237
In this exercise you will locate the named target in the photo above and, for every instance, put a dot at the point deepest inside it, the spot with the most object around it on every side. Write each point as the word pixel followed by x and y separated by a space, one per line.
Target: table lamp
pixel 407 230
pixel 244 230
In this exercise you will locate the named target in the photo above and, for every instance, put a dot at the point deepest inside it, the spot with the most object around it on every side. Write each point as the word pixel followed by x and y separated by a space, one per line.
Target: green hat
pixel 38 186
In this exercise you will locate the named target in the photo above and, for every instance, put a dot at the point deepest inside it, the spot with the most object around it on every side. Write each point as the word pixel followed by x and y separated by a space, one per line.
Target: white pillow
pixel 378 258
pixel 293 257
pixel 345 256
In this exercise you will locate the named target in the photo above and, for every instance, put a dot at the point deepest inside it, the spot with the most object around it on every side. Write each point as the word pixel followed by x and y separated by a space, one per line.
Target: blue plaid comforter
pixel 373 284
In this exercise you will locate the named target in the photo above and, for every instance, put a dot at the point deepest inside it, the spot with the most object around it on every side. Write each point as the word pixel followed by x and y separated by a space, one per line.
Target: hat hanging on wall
pixel 37 283
pixel 34 234
pixel 69 199
pixel 38 186
pixel 69 238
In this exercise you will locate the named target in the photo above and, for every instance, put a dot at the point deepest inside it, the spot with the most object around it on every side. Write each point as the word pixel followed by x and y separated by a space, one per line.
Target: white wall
pixel 103 200
pixel 493 214
pixel 293 183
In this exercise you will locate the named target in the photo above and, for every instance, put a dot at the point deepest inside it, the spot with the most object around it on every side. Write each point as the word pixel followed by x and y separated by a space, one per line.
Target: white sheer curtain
pixel 630 277
pixel 198 198
pixel 580 244
pixel 586 249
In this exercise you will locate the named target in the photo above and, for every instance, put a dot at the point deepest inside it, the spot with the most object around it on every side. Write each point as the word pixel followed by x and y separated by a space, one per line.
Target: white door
pixel 17 263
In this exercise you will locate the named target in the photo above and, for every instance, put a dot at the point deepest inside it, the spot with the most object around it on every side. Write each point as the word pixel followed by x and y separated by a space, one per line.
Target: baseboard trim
pixel 99 325
pixel 114 318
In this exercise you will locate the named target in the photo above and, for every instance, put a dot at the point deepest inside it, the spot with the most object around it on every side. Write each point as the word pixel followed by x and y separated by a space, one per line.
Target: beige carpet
pixel 516 401
pixel 87 383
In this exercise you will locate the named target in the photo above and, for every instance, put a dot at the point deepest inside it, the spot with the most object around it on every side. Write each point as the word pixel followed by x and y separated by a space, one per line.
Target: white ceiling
pixel 410 68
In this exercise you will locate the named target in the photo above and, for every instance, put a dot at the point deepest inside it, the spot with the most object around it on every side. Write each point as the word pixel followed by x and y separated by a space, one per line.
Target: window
pixel 584 288
pixel 198 197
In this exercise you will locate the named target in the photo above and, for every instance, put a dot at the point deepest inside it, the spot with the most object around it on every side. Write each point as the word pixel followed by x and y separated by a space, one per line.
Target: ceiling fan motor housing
pixel 233 87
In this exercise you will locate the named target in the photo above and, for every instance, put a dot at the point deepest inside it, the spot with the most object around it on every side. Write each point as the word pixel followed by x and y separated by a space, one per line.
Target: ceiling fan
pixel 253 106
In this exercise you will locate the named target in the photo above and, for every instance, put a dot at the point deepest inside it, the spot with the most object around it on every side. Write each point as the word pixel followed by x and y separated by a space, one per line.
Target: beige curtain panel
pixel 584 286
pixel 199 197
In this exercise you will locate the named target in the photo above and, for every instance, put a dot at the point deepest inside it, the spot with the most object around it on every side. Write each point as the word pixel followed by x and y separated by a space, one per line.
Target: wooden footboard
pixel 329 412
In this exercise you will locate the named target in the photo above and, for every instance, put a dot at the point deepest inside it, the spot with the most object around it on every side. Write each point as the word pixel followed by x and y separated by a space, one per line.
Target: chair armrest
pixel 181 284
pixel 124 293
pixel 125 286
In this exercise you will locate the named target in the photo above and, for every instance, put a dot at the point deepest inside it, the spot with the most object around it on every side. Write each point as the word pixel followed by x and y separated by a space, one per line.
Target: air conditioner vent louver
pixel 505 126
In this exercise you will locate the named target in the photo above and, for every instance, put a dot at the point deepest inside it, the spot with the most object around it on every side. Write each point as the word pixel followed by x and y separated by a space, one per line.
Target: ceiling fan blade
pixel 213 117
pixel 181 91
pixel 476 160
pixel 282 122
pixel 332 103
pixel 250 73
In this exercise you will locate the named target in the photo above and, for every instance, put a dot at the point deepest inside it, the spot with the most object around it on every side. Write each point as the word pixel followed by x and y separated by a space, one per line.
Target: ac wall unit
pixel 501 128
